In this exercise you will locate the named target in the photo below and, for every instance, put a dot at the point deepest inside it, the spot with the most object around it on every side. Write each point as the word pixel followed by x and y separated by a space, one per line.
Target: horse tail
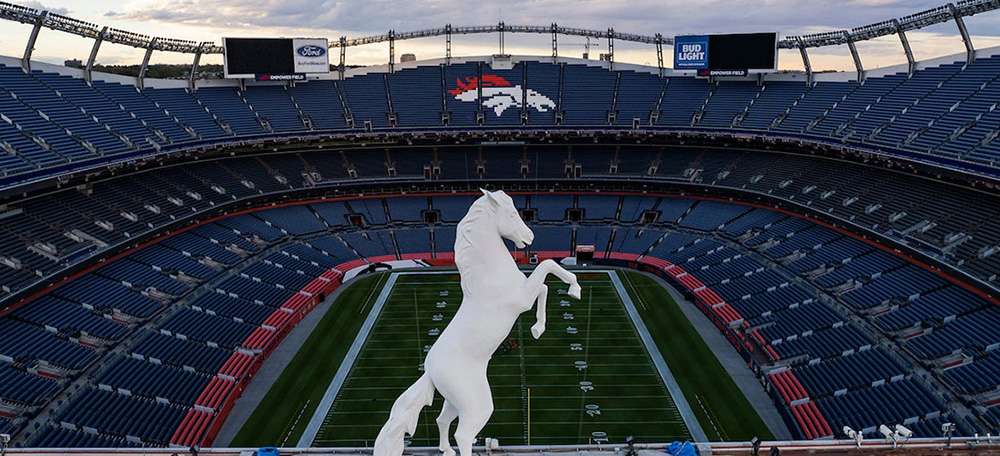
pixel 403 417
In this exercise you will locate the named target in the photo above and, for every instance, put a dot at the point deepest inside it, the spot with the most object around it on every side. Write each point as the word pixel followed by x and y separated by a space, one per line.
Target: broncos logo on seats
pixel 499 94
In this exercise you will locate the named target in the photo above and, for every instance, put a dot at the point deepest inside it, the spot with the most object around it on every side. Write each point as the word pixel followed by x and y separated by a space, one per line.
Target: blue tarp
pixel 682 449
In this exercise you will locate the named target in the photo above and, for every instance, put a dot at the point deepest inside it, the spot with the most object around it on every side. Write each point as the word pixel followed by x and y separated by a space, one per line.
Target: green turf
pixel 722 409
pixel 627 387
pixel 283 414
pixel 631 396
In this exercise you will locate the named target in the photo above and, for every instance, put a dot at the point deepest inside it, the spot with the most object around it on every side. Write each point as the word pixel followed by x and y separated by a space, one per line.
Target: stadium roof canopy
pixel 898 26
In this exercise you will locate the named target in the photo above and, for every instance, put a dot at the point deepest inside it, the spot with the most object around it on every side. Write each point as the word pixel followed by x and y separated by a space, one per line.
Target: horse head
pixel 508 222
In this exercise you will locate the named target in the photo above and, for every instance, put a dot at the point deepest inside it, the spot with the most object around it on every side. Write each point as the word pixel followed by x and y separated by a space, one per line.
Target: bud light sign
pixel 690 52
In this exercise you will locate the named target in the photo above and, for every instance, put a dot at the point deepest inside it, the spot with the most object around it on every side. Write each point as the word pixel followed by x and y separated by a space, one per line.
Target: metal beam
pixel 911 64
pixel 471 30
pixel 964 8
pixel 805 63
pixel 447 44
pixel 936 15
pixel 141 79
pixel 392 51
pixel 93 55
pixel 945 13
pixel 659 54
pixel 343 58
pixel 555 42
pixel 26 59
pixel 970 50
pixel 854 55
pixel 501 29
pixel 194 67
pixel 611 48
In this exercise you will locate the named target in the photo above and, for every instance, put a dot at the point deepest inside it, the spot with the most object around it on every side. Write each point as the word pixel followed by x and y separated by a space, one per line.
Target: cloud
pixel 41 7
pixel 191 19
pixel 640 16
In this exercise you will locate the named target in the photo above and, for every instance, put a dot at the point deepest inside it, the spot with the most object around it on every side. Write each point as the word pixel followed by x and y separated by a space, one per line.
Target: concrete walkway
pixel 273 366
pixel 732 362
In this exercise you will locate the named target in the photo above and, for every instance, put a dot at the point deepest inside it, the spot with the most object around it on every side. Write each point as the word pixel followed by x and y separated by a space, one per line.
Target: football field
pixel 588 377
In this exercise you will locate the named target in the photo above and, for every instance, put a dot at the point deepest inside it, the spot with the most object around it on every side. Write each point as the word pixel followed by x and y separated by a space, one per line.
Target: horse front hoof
pixel 447 451
pixel 537 330
pixel 574 290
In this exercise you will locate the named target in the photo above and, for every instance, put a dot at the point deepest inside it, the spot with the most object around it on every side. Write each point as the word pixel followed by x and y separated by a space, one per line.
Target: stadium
pixel 790 261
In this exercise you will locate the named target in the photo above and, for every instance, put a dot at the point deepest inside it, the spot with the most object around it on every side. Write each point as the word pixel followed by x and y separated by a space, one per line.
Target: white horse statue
pixel 495 292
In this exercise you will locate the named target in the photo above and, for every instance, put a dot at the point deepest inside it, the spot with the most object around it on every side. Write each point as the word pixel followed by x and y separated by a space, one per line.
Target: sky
pixel 206 20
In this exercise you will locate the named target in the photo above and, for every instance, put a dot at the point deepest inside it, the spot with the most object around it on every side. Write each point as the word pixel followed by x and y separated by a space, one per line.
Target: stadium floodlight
pixel 856 436
pixel 491 444
pixel 889 434
pixel 903 433
pixel 948 429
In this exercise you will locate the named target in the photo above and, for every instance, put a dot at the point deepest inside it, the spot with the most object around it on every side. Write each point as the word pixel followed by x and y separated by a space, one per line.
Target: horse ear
pixel 491 197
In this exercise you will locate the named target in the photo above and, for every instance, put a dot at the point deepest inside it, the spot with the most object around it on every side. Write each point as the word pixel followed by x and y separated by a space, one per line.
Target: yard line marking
pixel 372 382
pixel 586 358
pixel 295 423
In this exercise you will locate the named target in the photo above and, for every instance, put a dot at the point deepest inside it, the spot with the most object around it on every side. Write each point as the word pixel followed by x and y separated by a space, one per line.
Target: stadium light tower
pixel 392 50
pixel 194 65
pixel 447 44
pixel 32 38
pixel 970 50
pixel 555 42
pixel 805 60
pixel 93 54
pixel 140 79
pixel 611 49
pixel 911 64
pixel 659 54
pixel 855 56
pixel 343 57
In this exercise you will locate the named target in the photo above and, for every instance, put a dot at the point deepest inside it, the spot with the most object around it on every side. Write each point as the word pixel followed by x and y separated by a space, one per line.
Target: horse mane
pixel 477 212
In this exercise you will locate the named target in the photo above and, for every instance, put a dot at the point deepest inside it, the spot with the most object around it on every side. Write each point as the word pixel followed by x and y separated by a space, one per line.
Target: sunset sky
pixel 210 20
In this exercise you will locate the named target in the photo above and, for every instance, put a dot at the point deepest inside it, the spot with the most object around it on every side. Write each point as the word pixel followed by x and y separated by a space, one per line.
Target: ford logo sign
pixel 310 50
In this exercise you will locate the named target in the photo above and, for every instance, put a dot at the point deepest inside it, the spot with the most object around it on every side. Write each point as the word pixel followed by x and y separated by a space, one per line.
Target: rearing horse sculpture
pixel 494 292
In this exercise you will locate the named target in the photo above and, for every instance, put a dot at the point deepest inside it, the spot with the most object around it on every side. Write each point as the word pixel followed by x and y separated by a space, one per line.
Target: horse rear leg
pixel 474 410
pixel 448 414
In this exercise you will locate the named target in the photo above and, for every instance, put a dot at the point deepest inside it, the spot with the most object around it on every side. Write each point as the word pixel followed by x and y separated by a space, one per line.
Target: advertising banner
pixel 311 55
pixel 690 52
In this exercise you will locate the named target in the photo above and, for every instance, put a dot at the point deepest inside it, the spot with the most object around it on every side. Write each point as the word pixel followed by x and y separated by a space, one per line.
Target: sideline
pixel 690 420
pixel 273 367
pixel 319 415
pixel 730 360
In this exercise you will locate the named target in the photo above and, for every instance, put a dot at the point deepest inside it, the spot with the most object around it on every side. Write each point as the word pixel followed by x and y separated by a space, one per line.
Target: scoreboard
pixel 275 58
pixel 726 55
